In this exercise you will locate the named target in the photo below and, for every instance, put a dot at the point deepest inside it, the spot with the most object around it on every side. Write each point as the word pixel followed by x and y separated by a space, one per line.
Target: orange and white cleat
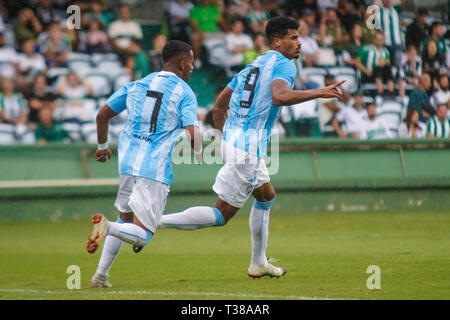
pixel 258 271
pixel 98 233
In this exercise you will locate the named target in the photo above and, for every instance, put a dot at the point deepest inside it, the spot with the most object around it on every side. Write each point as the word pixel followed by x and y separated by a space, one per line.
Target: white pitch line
pixel 172 293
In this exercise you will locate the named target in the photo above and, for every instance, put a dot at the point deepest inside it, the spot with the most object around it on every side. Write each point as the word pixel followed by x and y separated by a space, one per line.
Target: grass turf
pixel 326 255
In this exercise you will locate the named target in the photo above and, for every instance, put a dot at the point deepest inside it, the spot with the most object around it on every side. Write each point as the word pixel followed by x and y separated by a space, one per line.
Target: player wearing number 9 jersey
pixel 159 106
pixel 254 98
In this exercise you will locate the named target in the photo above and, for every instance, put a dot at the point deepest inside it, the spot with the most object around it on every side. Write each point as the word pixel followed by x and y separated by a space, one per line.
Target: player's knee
pixel 126 217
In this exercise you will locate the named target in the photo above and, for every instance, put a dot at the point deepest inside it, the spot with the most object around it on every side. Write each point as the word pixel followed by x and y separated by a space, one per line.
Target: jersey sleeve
pixel 233 83
pixel 188 109
pixel 286 71
pixel 117 102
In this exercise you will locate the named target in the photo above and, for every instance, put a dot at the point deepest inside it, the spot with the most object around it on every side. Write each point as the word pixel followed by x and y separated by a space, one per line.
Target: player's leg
pixel 110 250
pixel 259 226
pixel 113 244
pixel 232 189
pixel 147 200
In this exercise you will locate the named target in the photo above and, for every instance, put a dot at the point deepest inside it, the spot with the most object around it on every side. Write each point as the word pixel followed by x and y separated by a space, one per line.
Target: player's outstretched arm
pixel 219 111
pixel 103 152
pixel 283 95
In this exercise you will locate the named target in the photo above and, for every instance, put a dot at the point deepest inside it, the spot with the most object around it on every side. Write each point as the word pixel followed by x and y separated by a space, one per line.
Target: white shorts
pixel 146 198
pixel 237 179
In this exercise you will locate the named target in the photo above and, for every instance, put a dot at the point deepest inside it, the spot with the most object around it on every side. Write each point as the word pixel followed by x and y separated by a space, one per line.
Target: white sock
pixel 109 252
pixel 192 218
pixel 130 233
pixel 259 228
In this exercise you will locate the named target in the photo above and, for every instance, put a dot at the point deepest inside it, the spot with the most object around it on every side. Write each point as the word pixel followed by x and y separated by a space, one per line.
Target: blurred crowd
pixel 53 77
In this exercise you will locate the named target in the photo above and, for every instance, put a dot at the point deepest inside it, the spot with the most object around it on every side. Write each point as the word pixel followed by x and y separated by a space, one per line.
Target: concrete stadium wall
pixel 64 181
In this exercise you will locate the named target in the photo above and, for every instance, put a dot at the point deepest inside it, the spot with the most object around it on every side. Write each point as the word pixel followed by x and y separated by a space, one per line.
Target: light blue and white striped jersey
pixel 252 113
pixel 158 107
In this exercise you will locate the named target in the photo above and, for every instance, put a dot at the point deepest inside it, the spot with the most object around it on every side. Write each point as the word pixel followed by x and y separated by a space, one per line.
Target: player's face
pixel 289 45
pixel 187 66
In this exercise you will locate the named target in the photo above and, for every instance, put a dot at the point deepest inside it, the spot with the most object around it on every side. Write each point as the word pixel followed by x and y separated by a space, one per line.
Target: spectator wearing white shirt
pixel 8 57
pixel 237 42
pixel 348 120
pixel 373 127
pixel 310 48
pixel 123 30
pixel 442 95
pixel 29 63
pixel 412 127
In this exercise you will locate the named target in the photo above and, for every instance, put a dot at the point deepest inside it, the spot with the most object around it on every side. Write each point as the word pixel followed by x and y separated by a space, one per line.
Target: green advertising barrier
pixel 336 174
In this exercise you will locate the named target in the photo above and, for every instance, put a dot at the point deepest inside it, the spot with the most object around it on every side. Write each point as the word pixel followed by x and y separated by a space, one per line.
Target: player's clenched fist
pixel 103 155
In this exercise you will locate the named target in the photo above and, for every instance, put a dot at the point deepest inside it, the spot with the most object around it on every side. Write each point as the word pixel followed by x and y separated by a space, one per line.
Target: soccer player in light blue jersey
pixel 159 106
pixel 253 97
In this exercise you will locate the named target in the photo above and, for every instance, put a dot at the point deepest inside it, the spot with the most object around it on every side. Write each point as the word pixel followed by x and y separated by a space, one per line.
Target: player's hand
pixel 333 91
pixel 103 155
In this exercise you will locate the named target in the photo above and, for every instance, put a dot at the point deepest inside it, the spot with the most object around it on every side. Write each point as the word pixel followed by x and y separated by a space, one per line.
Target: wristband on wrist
pixel 103 146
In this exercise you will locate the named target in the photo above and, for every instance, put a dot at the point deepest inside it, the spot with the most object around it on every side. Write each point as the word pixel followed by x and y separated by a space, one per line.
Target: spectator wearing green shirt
pixel 439 126
pixel 376 62
pixel 206 21
pixel 436 35
pixel 420 100
pixel 48 130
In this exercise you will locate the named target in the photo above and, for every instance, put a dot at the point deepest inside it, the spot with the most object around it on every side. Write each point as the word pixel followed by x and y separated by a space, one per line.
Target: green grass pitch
pixel 326 254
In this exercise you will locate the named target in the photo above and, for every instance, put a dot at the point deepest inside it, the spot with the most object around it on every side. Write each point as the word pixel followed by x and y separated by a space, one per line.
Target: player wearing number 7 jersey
pixel 159 106
pixel 253 97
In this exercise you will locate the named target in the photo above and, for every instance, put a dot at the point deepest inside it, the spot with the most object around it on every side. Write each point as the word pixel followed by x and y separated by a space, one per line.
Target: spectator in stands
pixel 39 97
pixel 29 63
pixel 74 87
pixel 101 12
pixel 391 26
pixel 348 120
pixel 433 62
pixel 259 47
pixel 206 21
pixel 8 57
pixel 257 17
pixel 229 14
pixel 123 30
pixel 327 109
pixel 353 48
pixel 412 127
pixel 310 48
pixel 439 126
pixel 155 54
pixel 412 66
pixel 332 33
pixel 417 31
pixel 377 64
pixel 346 12
pixel 374 127
pixel 55 46
pixel 138 63
pixel 296 8
pixel 442 94
pixel 13 113
pixel 27 26
pixel 46 13
pixel 436 35
pixel 420 100
pixel 309 17
pixel 96 39
pixel 237 42
pixel 48 130
pixel 179 19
